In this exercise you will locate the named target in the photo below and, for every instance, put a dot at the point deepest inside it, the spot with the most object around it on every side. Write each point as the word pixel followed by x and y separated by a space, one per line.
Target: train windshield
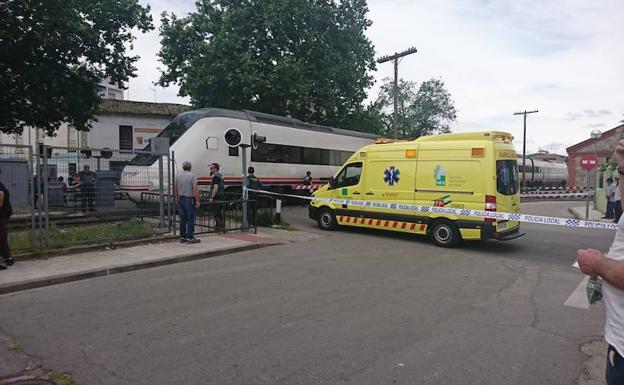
pixel 173 131
pixel 507 177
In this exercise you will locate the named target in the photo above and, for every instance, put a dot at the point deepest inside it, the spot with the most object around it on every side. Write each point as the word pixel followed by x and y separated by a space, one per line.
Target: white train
pixel 291 148
pixel 544 172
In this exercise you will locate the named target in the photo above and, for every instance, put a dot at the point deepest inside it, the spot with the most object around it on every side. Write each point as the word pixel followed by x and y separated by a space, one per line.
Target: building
pixel 548 156
pixel 108 90
pixel 121 125
pixel 603 148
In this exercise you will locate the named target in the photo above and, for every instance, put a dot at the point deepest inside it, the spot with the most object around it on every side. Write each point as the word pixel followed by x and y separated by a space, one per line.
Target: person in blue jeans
pixel 187 200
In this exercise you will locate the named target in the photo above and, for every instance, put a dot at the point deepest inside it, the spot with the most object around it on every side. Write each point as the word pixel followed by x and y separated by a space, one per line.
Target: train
pixel 291 149
pixel 543 172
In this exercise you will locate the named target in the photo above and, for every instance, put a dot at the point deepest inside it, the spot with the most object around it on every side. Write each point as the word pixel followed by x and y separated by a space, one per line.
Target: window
pixel 212 143
pixel 117 165
pixel 233 151
pixel 125 138
pixel 72 169
pixel 281 153
pixel 349 175
pixel 507 177
pixel 173 131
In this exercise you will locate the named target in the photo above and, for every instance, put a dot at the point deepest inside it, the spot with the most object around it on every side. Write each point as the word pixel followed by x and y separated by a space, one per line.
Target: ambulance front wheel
pixel 326 219
pixel 444 233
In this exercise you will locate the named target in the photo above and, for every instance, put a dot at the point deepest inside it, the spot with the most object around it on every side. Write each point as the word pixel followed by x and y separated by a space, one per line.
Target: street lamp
pixel 595 135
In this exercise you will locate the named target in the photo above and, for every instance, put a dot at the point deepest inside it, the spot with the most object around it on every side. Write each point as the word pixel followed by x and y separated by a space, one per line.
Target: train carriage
pixel 291 149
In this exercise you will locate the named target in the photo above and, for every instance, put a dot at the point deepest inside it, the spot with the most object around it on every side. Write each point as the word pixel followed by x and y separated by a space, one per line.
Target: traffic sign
pixel 589 162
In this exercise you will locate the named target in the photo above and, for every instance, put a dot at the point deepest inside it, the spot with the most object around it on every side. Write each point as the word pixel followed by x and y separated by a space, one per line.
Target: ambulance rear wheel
pixel 444 233
pixel 326 219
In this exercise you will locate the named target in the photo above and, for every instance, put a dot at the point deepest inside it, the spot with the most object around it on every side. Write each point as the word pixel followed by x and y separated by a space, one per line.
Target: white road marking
pixel 578 298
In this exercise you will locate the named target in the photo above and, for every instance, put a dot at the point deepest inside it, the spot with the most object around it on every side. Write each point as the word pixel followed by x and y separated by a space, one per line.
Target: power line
pixel 395 58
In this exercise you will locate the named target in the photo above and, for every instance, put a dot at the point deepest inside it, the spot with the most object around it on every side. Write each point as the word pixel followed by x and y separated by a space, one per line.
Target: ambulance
pixel 462 170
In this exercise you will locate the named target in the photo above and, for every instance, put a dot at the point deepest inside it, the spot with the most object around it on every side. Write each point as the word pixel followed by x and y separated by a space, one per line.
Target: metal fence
pixel 65 197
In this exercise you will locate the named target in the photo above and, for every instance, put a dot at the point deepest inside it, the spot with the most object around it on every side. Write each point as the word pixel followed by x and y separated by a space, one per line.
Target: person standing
pixel 87 188
pixel 217 195
pixel 610 195
pixel 252 182
pixel 307 179
pixel 611 268
pixel 5 213
pixel 187 200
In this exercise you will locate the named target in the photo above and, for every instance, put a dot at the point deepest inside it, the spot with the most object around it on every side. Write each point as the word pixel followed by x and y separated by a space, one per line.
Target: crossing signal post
pixel 234 138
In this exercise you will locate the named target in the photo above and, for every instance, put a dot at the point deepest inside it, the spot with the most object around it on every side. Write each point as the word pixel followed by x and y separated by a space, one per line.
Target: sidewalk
pixel 594 215
pixel 68 268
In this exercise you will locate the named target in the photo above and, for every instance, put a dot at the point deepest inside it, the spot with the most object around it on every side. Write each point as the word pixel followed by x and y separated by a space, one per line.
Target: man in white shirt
pixel 611 268
pixel 610 195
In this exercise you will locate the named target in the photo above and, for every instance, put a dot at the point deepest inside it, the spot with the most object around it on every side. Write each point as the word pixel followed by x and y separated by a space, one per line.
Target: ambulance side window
pixel 349 175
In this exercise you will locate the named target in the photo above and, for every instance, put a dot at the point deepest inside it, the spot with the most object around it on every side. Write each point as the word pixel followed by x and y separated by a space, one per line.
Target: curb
pixel 99 246
pixel 573 212
pixel 79 276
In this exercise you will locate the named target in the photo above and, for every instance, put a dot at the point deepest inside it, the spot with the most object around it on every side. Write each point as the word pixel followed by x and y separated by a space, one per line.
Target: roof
pixel 479 135
pixel 590 141
pixel 130 107
pixel 262 117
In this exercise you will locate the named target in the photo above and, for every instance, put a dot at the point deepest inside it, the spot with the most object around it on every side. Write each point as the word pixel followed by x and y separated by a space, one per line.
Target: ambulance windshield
pixel 507 177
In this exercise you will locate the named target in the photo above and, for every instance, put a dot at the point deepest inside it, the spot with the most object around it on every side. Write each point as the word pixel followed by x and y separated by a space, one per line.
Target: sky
pixel 563 58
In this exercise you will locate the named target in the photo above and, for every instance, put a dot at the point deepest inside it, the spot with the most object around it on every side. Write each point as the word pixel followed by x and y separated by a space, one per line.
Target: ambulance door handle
pixel 370 193
pixel 356 193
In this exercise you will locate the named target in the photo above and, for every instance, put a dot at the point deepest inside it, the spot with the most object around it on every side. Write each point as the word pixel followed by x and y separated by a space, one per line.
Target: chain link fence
pixel 64 197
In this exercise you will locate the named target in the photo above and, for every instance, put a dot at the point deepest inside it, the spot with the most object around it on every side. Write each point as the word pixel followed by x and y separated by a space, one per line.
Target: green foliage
pixel 306 58
pixel 53 53
pixel 61 378
pixel 423 110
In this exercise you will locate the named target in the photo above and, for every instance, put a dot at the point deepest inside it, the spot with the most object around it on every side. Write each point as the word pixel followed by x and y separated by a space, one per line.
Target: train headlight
pixel 233 137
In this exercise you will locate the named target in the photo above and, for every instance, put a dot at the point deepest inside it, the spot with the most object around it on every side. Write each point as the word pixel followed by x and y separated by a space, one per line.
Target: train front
pixel 140 178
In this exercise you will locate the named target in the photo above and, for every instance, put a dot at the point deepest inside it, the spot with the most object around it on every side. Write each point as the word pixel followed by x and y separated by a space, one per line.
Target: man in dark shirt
pixel 252 182
pixel 87 188
pixel 5 213
pixel 216 196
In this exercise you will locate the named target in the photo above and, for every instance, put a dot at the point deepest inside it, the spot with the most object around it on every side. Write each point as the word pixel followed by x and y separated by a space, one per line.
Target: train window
pixel 212 143
pixel 233 151
pixel 173 131
pixel 281 153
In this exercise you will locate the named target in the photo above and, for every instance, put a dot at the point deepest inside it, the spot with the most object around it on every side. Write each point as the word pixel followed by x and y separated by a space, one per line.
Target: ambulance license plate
pixel 502 226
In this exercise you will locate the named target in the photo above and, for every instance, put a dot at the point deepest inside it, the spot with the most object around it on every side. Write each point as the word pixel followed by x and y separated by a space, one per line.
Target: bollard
pixel 278 211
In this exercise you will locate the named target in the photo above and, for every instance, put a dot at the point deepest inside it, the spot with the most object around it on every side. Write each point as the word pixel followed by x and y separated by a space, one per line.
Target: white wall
pixel 104 134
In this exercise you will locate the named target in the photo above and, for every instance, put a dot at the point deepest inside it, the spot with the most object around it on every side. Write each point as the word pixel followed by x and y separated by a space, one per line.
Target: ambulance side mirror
pixel 332 183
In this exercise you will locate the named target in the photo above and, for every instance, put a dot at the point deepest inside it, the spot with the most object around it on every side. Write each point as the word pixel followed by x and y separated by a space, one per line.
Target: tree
pixel 423 110
pixel 306 58
pixel 53 54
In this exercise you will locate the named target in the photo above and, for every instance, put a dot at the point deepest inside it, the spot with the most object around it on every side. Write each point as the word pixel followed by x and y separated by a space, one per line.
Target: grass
pixel 82 235
pixel 61 378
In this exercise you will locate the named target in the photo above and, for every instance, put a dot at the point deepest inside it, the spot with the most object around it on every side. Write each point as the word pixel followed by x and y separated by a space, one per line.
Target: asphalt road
pixel 352 307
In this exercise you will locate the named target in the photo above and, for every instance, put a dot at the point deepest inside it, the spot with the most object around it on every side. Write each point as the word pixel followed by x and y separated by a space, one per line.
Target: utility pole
pixel 525 113
pixel 395 59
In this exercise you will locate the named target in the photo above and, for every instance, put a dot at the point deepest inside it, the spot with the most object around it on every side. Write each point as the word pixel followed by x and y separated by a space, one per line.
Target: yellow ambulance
pixel 476 171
